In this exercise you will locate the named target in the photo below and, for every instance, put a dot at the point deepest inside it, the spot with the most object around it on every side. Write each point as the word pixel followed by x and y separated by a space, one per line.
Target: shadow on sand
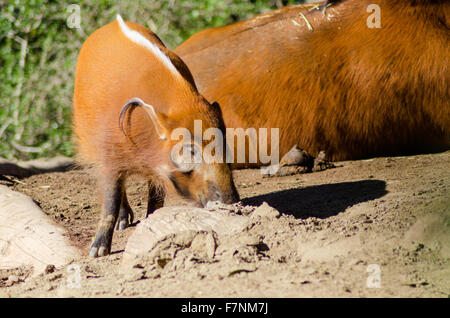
pixel 321 201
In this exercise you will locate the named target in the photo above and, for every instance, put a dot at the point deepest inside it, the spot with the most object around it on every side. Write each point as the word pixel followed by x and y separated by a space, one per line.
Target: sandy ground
pixel 342 232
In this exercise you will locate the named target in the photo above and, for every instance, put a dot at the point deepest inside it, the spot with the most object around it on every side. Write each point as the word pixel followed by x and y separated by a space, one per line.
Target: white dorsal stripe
pixel 138 38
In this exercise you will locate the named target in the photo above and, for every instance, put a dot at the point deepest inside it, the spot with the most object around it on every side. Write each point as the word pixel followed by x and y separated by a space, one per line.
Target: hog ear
pixel 216 107
pixel 158 119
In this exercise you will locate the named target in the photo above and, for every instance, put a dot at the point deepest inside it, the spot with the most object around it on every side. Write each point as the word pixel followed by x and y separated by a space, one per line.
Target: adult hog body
pixel 131 93
pixel 331 79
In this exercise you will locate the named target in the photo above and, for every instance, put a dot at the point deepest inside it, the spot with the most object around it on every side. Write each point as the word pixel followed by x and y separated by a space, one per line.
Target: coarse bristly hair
pixel 353 91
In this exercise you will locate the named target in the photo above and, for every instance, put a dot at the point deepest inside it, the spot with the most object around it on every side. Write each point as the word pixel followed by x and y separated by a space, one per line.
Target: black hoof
pixel 122 224
pixel 101 245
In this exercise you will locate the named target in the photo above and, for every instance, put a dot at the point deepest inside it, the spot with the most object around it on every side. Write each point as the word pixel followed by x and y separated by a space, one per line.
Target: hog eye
pixel 186 158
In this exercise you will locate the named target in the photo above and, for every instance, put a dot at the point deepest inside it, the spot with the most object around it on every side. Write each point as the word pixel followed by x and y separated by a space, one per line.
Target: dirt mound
pixel 197 234
pixel 369 228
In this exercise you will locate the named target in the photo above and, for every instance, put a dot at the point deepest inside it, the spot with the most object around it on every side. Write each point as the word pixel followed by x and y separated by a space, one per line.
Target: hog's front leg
pixel 112 199
pixel 298 160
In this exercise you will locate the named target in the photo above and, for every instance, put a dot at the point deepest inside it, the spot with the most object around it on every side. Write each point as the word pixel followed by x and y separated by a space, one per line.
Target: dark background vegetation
pixel 38 54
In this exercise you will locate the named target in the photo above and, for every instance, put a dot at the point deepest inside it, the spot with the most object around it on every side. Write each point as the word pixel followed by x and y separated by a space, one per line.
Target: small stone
pixel 204 246
pixel 13 279
pixel 250 240
pixel 135 275
pixel 247 254
pixel 265 210
pixel 54 277
pixel 49 269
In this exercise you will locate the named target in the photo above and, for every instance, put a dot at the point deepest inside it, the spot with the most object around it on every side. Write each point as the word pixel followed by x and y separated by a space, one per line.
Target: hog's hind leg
pixel 156 196
pixel 126 215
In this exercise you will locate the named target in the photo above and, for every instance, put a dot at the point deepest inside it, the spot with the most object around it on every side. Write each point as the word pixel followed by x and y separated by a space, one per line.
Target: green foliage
pixel 38 53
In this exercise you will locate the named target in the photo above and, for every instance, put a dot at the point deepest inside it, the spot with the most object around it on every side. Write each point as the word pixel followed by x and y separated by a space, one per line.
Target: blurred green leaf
pixel 38 54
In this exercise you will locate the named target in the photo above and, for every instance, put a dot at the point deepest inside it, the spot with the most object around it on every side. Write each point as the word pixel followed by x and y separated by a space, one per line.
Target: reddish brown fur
pixel 352 91
pixel 111 70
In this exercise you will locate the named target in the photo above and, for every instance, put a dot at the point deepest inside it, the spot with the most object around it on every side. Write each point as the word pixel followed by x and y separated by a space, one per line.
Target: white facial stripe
pixel 138 38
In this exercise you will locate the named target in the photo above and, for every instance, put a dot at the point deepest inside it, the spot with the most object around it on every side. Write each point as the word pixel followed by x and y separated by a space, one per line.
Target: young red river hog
pixel 131 93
